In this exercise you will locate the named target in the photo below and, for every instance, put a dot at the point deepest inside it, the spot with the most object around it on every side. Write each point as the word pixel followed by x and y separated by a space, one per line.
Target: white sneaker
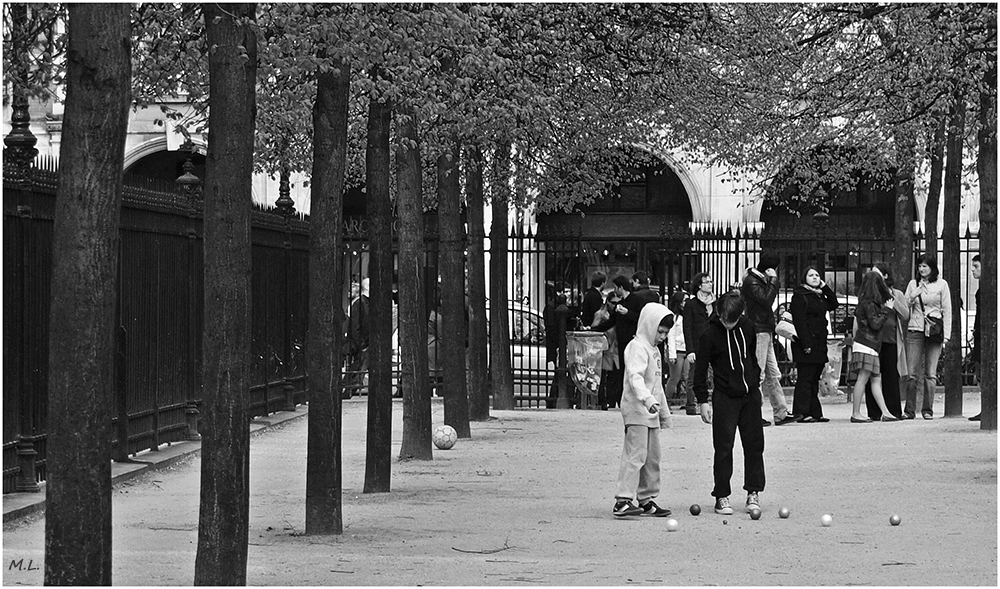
pixel 722 506
pixel 753 502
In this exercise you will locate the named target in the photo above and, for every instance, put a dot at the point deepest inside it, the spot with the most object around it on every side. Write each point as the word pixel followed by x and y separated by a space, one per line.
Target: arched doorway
pixel 166 165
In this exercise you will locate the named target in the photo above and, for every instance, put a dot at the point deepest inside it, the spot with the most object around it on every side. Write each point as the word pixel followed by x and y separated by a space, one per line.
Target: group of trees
pixel 450 106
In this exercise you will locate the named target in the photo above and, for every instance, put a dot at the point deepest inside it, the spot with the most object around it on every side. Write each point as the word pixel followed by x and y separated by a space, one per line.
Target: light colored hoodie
pixel 643 383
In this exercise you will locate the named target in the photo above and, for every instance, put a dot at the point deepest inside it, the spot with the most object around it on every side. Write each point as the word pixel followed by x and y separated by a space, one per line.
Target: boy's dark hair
pixel 731 306
pixel 641 277
pixel 932 262
pixel 975 258
pixel 667 321
pixel 886 272
pixel 768 261
pixel 560 298
pixel 597 279
pixel 622 282
pixel 697 280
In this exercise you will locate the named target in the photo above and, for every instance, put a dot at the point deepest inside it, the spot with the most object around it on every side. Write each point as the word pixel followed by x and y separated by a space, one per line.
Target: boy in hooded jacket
pixel 645 412
pixel 729 346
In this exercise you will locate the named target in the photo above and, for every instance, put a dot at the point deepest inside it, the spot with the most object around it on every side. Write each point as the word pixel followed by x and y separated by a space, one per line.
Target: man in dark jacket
pixel 975 355
pixel 760 288
pixel 593 299
pixel 641 290
pixel 357 342
pixel 628 314
pixel 729 347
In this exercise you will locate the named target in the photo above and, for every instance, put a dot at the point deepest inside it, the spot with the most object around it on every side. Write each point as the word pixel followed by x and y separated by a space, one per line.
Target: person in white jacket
pixel 644 411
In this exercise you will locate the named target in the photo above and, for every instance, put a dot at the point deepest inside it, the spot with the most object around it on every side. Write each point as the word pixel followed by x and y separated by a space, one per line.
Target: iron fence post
pixel 189 185
pixel 286 205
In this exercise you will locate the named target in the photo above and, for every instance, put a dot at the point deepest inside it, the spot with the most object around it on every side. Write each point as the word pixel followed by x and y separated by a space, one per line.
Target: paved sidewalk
pixel 527 501
pixel 19 505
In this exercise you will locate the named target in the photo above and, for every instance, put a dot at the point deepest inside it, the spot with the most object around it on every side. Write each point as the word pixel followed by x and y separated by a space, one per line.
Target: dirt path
pixel 527 501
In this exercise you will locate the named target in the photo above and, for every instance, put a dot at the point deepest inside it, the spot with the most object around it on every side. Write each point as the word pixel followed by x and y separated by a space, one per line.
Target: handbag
pixel 785 328
pixel 933 326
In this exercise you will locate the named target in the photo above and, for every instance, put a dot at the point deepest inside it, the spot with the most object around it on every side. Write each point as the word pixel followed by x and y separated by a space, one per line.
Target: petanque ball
pixel 826 520
pixel 755 514
pixel 444 437
pixel 672 525
pixel 695 509
pixel 894 519
pixel 783 513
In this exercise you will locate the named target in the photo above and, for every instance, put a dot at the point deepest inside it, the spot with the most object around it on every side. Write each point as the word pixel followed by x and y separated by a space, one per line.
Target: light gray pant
pixel 921 363
pixel 639 475
pixel 770 375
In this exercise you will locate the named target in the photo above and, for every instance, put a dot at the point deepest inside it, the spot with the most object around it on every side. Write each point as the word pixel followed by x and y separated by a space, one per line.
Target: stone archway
pixel 691 187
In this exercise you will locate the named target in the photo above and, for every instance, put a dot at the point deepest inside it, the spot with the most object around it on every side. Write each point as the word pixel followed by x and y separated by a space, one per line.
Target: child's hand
pixel 706 413
pixel 655 408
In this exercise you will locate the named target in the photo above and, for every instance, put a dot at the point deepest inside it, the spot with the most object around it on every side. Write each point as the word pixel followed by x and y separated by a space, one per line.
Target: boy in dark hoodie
pixel 729 347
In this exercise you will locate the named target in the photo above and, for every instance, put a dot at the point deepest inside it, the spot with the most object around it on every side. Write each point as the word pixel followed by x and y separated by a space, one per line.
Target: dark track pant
pixel 806 401
pixel 730 415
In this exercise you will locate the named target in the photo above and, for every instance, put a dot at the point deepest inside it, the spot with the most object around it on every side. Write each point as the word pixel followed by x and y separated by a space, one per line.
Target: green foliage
pixel 34 48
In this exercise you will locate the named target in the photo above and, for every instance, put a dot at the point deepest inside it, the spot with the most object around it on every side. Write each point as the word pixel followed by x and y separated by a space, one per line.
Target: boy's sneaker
pixel 753 502
pixel 722 506
pixel 651 508
pixel 623 508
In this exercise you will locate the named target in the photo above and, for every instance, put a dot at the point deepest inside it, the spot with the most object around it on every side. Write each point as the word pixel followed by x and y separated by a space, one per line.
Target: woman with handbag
pixel 926 334
pixel 874 307
pixel 811 301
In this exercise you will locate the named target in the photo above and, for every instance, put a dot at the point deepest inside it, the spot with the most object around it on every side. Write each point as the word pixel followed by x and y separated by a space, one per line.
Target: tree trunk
pixel 903 259
pixel 934 190
pixel 324 479
pixel 84 280
pixel 479 391
pixel 501 377
pixel 951 268
pixel 987 168
pixel 223 523
pixel 413 372
pixel 452 341
pixel 378 466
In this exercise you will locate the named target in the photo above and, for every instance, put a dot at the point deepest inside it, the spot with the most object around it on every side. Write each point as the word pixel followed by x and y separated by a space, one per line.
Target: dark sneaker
pixel 787 419
pixel 975 417
pixel 753 502
pixel 765 422
pixel 623 508
pixel 651 508
pixel 722 506
pixel 927 415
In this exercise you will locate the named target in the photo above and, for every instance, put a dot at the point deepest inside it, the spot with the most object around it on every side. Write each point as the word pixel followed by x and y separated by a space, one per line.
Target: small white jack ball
pixel 672 525
pixel 826 520
pixel 894 519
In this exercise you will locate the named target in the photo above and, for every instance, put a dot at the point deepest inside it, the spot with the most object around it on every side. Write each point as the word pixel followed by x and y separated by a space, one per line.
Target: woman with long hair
pixel 697 312
pixel 874 306
pixel 811 301
pixel 928 297
pixel 892 355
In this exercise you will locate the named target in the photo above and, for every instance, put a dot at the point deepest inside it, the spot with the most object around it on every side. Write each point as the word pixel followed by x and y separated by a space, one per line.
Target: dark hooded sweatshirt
pixel 733 357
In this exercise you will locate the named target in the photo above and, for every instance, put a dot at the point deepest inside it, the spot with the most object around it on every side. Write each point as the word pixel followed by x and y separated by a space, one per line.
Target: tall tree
pixel 986 165
pixel 501 377
pixel 934 188
pixel 413 371
pixel 223 524
pixel 951 269
pixel 84 283
pixel 379 459
pixel 324 506
pixel 453 304
pixel 479 392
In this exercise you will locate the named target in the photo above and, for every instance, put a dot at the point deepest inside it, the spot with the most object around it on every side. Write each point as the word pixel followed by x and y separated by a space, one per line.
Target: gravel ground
pixel 527 501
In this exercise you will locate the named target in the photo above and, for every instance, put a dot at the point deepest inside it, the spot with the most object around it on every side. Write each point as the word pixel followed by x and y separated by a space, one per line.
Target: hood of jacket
pixel 649 320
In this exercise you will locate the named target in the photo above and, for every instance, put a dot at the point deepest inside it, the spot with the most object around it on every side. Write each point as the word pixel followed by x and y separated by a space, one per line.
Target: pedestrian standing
pixel 891 356
pixel 975 354
pixel 593 299
pixel 357 341
pixel 729 347
pixel 874 307
pixel 929 300
pixel 611 367
pixel 759 289
pixel 677 365
pixel 697 312
pixel 641 290
pixel 811 301
pixel 645 412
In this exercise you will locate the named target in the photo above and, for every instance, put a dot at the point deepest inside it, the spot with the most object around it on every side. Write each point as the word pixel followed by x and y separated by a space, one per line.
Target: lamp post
pixel 189 186
pixel 820 221
pixel 286 206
